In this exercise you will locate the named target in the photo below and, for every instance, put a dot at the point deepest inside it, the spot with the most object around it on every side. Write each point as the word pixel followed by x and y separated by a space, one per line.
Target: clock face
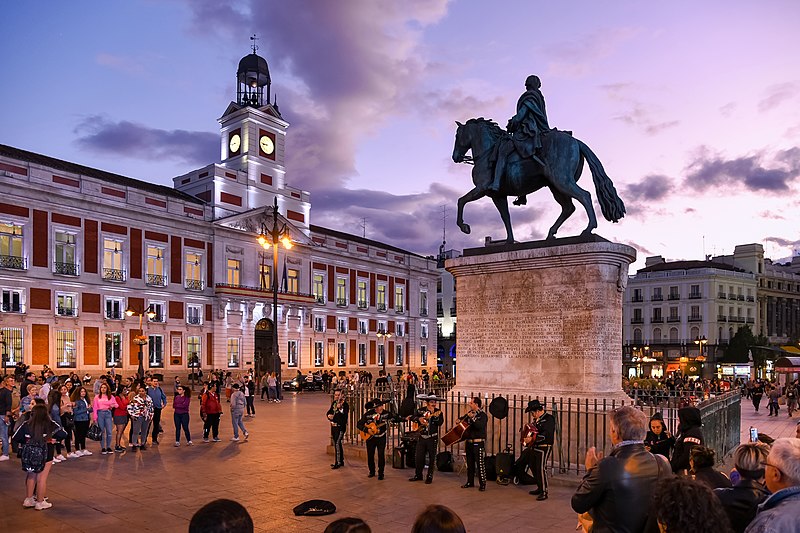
pixel 266 144
pixel 235 143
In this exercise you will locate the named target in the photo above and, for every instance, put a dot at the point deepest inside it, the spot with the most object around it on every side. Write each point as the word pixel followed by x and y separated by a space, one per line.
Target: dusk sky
pixel 692 107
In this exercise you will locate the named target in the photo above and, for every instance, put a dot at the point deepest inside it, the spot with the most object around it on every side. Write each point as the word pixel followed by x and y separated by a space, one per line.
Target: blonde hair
pixel 749 459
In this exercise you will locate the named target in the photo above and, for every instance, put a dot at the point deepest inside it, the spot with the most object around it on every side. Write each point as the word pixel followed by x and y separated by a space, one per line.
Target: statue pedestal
pixel 542 318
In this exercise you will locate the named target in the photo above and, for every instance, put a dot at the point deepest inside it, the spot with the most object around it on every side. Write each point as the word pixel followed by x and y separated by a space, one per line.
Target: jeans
pixel 106 423
pixel 211 424
pixel 139 429
pixel 251 409
pixel 181 421
pixel 272 392
pixel 4 435
pixel 156 423
pixel 237 419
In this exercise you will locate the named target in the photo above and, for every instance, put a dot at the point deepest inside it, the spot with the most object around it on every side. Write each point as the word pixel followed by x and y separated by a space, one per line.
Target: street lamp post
pixel 141 339
pixel 271 237
pixel 384 336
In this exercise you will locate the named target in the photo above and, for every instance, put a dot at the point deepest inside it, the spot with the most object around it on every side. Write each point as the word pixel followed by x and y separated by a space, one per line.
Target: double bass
pixel 456 434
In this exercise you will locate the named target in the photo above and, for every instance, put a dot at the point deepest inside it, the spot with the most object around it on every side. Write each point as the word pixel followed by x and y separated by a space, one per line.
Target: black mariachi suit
pixel 542 448
pixel 378 441
pixel 338 427
pixel 475 437
pixel 428 442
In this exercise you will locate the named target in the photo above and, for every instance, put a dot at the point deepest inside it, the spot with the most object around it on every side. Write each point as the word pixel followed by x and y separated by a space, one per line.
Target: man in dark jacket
pixel 475 438
pixel 616 490
pixel 689 436
pixel 742 500
pixel 337 416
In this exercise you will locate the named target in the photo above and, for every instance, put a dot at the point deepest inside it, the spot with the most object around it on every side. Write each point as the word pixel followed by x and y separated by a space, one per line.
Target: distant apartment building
pixel 446 319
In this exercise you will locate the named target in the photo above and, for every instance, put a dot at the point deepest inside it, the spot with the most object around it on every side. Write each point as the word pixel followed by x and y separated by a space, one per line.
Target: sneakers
pixel 205 440
pixel 62 457
pixel 44 504
pixel 216 440
pixel 246 435
pixel 190 443
pixel 57 459
pixel 235 439
pixel 177 444
pixel 117 449
pixel 78 453
pixel 29 502
pixel 4 458
pixel 73 455
pixel 86 452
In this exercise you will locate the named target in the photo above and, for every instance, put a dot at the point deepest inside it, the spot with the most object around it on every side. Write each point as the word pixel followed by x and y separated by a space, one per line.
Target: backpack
pixel 34 456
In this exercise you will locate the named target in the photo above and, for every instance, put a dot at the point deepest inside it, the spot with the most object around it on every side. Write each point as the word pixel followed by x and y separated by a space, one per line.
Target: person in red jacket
pixel 210 411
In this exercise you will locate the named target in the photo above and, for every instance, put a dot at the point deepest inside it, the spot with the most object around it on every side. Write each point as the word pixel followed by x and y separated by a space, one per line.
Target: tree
pixel 745 343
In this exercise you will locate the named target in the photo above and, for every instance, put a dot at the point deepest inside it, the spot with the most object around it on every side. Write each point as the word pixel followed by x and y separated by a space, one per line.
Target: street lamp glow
pixel 287 242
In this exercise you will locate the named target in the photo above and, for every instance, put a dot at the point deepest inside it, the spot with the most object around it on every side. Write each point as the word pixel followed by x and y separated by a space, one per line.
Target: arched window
pixel 657 335
pixel 637 336
pixel 695 333
pixel 673 335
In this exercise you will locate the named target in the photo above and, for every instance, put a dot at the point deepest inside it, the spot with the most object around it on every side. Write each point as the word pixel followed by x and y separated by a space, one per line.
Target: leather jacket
pixel 617 492
pixel 741 502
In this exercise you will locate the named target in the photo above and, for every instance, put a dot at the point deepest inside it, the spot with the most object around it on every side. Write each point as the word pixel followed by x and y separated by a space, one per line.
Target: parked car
pixel 300 383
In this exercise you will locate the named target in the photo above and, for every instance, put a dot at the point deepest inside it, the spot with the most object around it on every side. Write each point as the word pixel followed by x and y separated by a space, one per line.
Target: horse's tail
pixel 610 203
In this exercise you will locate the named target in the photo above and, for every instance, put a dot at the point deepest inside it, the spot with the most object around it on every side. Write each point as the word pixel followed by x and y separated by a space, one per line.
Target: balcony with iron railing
pixel 657 320
pixel 319 298
pixel 62 310
pixel 695 318
pixel 113 315
pixel 193 284
pixel 399 309
pixel 722 318
pixel 637 320
pixel 13 262
pixel 362 304
pixel 194 320
pixel 731 296
pixel 341 302
pixel 737 319
pixel 66 269
pixel 740 297
pixel 637 298
pixel 159 319
pixel 722 295
pixel 382 307
pixel 657 298
pixel 674 296
pixel 695 296
pixel 673 319
pixel 156 280
pixel 751 320
pixel 319 328
pixel 12 307
pixel 751 299
pixel 114 274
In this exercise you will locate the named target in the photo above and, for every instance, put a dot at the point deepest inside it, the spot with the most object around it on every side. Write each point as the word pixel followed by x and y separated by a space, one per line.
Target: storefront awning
pixel 787 364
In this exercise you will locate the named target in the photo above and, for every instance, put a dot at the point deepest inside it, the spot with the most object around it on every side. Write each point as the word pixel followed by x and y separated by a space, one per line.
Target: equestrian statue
pixel 528 156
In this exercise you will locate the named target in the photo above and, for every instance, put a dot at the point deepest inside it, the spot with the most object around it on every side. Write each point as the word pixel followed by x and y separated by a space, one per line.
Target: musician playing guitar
pixel 475 437
pixel 430 418
pixel 337 416
pixel 542 446
pixel 373 425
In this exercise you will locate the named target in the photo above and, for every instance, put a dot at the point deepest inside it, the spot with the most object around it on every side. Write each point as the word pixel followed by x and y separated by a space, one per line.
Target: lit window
pixel 342 354
pixel 193 351
pixel 319 288
pixel 362 354
pixel 318 353
pixel 12 349
pixel 155 267
pixel 234 268
pixel 113 349
pixel 292 281
pixel 155 347
pixel 233 352
pixel 66 349
pixel 291 353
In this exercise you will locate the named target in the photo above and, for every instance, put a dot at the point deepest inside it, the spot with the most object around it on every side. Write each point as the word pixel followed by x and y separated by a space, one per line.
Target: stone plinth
pixel 542 317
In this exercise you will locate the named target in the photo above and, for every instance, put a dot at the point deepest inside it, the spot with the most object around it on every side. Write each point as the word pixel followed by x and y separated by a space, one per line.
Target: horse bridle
pixel 469 160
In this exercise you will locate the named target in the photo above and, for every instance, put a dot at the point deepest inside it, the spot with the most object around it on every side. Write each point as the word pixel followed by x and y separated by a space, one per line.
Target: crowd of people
pixel 47 419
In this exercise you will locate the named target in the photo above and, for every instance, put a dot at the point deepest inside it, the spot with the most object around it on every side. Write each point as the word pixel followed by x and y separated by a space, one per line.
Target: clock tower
pixel 251 172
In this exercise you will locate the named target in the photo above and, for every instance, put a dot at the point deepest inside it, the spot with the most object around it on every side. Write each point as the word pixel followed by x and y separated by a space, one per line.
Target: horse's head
pixel 463 142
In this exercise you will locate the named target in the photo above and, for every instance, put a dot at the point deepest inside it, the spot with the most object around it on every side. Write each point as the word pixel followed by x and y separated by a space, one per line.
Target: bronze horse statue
pixel 563 157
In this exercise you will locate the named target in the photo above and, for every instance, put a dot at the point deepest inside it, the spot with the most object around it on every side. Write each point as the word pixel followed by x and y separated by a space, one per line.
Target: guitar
pixel 369 431
pixel 529 433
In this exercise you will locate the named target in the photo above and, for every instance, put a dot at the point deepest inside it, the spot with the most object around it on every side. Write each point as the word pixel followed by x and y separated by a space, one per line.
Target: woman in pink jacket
pixel 102 406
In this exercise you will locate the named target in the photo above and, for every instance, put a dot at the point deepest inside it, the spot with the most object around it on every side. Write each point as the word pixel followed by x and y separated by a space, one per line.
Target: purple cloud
pixel 129 139
pixel 778 94
pixel 650 188
pixel 708 171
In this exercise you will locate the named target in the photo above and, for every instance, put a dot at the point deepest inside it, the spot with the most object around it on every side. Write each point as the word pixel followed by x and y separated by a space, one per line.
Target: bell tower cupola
pixel 253 80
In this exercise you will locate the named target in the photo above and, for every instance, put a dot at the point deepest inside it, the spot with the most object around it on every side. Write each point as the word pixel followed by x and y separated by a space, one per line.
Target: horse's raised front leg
pixel 501 203
pixel 471 196
pixel 567 208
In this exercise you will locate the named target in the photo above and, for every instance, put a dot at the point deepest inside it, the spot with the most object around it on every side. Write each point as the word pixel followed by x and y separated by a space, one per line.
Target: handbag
pixel 94 433
pixel 68 421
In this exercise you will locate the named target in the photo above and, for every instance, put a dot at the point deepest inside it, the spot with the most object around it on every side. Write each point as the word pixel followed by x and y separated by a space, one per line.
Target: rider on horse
pixel 526 128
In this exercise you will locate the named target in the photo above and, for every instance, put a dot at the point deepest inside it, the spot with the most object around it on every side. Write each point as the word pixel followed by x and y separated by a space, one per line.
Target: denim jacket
pixel 779 513
pixel 81 410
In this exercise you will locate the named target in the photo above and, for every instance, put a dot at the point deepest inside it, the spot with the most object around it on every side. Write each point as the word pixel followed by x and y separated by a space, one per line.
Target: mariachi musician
pixel 337 416
pixel 545 425
pixel 374 423
pixel 527 437
pixel 475 438
pixel 430 418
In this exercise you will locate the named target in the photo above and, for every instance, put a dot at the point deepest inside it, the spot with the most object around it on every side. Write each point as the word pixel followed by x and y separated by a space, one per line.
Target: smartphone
pixel 753 434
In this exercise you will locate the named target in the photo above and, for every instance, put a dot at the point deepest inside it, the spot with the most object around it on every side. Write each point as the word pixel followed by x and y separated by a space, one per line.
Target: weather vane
pixel 254 39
